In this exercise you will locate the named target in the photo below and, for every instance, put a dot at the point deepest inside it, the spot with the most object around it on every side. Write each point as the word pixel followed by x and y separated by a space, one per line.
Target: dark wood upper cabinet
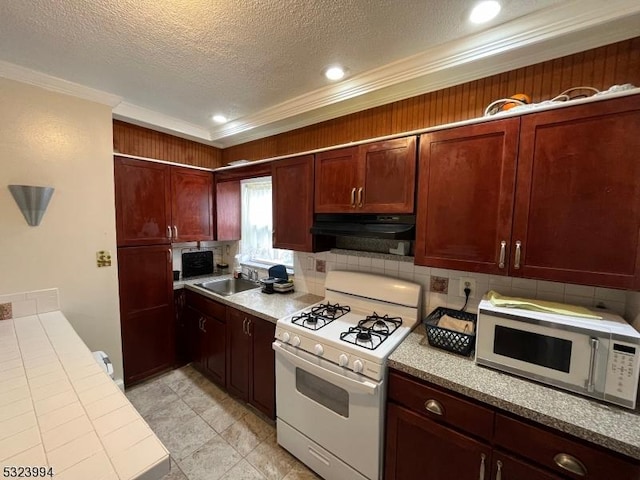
pixel 574 214
pixel 228 212
pixel 577 209
pixel 192 204
pixel 146 311
pixel 143 202
pixel 373 178
pixel 388 173
pixel 292 194
pixel 465 196
pixel 158 204
pixel 337 175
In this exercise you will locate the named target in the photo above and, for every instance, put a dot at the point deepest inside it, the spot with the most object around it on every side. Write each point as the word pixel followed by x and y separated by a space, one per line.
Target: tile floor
pixel 209 434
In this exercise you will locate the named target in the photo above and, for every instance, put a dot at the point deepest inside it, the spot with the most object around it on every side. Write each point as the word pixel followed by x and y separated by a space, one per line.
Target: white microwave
pixel 596 358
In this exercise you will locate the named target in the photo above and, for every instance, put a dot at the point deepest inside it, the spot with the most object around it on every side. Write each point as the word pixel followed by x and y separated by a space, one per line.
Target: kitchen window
pixel 257 225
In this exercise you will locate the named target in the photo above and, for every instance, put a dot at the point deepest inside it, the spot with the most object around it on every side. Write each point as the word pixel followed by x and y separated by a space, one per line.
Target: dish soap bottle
pixel 237 268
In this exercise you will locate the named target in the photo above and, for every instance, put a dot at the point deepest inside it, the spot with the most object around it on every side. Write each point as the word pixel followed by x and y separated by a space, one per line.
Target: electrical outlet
pixel 466 282
pixel 103 258
pixel 321 266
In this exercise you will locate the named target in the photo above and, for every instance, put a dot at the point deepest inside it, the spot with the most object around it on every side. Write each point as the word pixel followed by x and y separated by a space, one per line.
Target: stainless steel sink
pixel 229 286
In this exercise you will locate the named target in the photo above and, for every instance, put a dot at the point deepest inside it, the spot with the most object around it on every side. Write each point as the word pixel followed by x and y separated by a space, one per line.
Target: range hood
pixel 389 227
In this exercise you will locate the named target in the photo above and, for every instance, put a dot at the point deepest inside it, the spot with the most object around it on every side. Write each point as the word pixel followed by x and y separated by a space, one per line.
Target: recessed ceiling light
pixel 334 73
pixel 220 119
pixel 484 11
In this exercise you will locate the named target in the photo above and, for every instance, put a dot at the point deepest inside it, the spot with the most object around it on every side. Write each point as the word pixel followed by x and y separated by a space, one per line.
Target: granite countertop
pixel 614 428
pixel 270 307
pixel 59 409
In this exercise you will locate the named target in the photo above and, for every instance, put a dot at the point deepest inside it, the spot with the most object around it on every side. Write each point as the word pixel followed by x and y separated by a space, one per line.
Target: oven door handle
pixel 357 386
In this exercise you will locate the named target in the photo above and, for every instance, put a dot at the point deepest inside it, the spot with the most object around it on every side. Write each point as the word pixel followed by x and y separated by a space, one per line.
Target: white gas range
pixel 331 372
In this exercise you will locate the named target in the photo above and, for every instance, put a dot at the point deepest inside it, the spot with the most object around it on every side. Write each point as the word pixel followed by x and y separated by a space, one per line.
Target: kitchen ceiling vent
pixel 32 201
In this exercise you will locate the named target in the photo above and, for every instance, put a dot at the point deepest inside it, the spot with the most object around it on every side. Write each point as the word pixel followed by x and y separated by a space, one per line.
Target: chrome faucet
pixel 252 274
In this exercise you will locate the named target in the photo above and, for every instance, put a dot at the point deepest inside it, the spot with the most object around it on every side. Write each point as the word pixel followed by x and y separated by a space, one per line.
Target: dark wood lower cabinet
pixel 146 311
pixel 506 467
pixel 233 349
pixel 262 386
pixel 182 332
pixel 419 448
pixel 251 360
pixel 207 336
pixel 427 437
pixel 238 348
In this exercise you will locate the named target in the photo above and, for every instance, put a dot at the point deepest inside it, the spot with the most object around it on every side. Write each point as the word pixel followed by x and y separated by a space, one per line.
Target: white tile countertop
pixel 59 409
pixel 607 425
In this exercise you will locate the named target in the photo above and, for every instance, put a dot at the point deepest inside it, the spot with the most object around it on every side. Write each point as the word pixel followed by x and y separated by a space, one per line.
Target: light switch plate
pixel 103 258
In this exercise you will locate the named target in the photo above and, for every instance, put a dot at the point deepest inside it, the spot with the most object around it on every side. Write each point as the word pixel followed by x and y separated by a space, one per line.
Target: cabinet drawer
pixel 206 306
pixel 454 411
pixel 551 449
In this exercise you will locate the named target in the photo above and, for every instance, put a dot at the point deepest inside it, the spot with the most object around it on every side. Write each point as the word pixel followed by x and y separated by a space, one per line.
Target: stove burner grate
pixel 372 331
pixel 381 324
pixel 310 321
pixel 363 337
pixel 330 311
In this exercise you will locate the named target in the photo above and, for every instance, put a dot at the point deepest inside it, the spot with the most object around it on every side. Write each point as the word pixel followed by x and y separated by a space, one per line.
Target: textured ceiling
pixel 188 59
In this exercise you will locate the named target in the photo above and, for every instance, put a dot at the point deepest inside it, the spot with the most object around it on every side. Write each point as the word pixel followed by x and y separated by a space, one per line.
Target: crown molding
pixel 568 28
pixel 145 117
pixel 485 49
pixel 55 84
pixel 445 78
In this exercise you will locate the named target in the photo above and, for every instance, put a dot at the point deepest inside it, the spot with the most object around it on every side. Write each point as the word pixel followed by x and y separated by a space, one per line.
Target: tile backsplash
pixel 24 304
pixel 308 278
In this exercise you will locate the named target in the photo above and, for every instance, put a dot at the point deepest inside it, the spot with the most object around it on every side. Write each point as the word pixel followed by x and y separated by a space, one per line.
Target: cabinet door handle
pixel 244 325
pixel 204 323
pixel 434 406
pixel 249 327
pixel 175 231
pixel 570 464
pixel 169 255
pixel 360 190
pixel 353 197
pixel 516 264
pixel 483 457
pixel 595 343
pixel 169 232
pixel 503 251
pixel 200 324
pixel 499 472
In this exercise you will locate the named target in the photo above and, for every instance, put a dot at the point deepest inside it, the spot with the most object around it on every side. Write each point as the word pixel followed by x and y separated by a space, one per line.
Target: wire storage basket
pixel 456 342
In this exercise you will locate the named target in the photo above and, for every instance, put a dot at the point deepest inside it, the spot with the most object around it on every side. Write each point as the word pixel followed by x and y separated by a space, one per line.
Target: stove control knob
pixel 296 341
pixel 318 349
pixel 286 337
pixel 358 366
pixel 343 360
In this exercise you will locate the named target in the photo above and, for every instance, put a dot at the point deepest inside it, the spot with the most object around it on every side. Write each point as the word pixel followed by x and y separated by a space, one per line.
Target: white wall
pixel 52 139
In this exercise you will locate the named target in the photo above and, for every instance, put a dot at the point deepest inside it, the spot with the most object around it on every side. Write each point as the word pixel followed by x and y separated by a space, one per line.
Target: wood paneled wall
pixel 143 142
pixel 600 68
